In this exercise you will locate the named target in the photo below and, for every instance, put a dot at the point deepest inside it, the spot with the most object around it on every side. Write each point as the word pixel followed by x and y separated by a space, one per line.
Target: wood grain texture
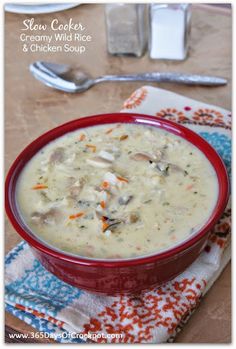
pixel 32 108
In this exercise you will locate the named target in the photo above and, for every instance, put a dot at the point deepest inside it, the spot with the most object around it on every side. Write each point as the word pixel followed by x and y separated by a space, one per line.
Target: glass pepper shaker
pixel 126 29
pixel 169 31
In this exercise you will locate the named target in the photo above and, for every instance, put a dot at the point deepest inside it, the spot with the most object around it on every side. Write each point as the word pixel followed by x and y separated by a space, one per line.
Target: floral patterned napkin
pixel 70 315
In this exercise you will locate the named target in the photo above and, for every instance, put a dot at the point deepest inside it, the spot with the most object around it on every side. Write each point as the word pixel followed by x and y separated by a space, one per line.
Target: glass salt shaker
pixel 169 31
pixel 126 29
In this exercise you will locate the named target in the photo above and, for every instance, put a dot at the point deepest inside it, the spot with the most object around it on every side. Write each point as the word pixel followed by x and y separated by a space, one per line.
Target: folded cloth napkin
pixel 70 315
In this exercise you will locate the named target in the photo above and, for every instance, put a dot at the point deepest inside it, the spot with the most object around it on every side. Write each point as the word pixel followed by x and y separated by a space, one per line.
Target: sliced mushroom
pixel 141 157
pixel 76 188
pixel 133 217
pixel 75 191
pixel 58 156
pixel 70 181
pixel 124 200
pixel 50 217
pixel 97 161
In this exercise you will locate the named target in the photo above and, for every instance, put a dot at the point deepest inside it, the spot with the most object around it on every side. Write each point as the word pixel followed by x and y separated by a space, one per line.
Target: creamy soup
pixel 117 191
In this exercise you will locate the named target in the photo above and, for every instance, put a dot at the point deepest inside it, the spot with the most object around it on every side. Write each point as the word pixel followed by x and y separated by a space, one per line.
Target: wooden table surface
pixel 32 108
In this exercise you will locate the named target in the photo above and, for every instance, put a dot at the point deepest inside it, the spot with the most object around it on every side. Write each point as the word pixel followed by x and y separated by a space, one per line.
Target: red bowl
pixel 112 277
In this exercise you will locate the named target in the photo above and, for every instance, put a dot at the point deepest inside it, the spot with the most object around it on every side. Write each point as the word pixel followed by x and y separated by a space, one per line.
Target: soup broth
pixel 117 191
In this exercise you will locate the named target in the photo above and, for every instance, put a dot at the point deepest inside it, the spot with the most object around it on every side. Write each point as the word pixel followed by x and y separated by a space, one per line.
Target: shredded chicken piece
pixel 141 157
pixel 97 161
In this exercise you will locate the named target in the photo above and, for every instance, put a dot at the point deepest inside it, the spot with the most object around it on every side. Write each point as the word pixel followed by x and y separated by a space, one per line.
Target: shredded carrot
pixel 104 223
pixel 39 186
pixel 105 185
pixel 122 179
pixel 189 187
pixel 103 204
pixel 122 138
pixel 104 226
pixel 92 147
pixel 109 131
pixel 77 215
pixel 82 137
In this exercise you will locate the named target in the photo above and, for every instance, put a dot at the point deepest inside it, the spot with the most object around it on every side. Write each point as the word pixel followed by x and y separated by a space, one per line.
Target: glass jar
pixel 169 31
pixel 126 29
